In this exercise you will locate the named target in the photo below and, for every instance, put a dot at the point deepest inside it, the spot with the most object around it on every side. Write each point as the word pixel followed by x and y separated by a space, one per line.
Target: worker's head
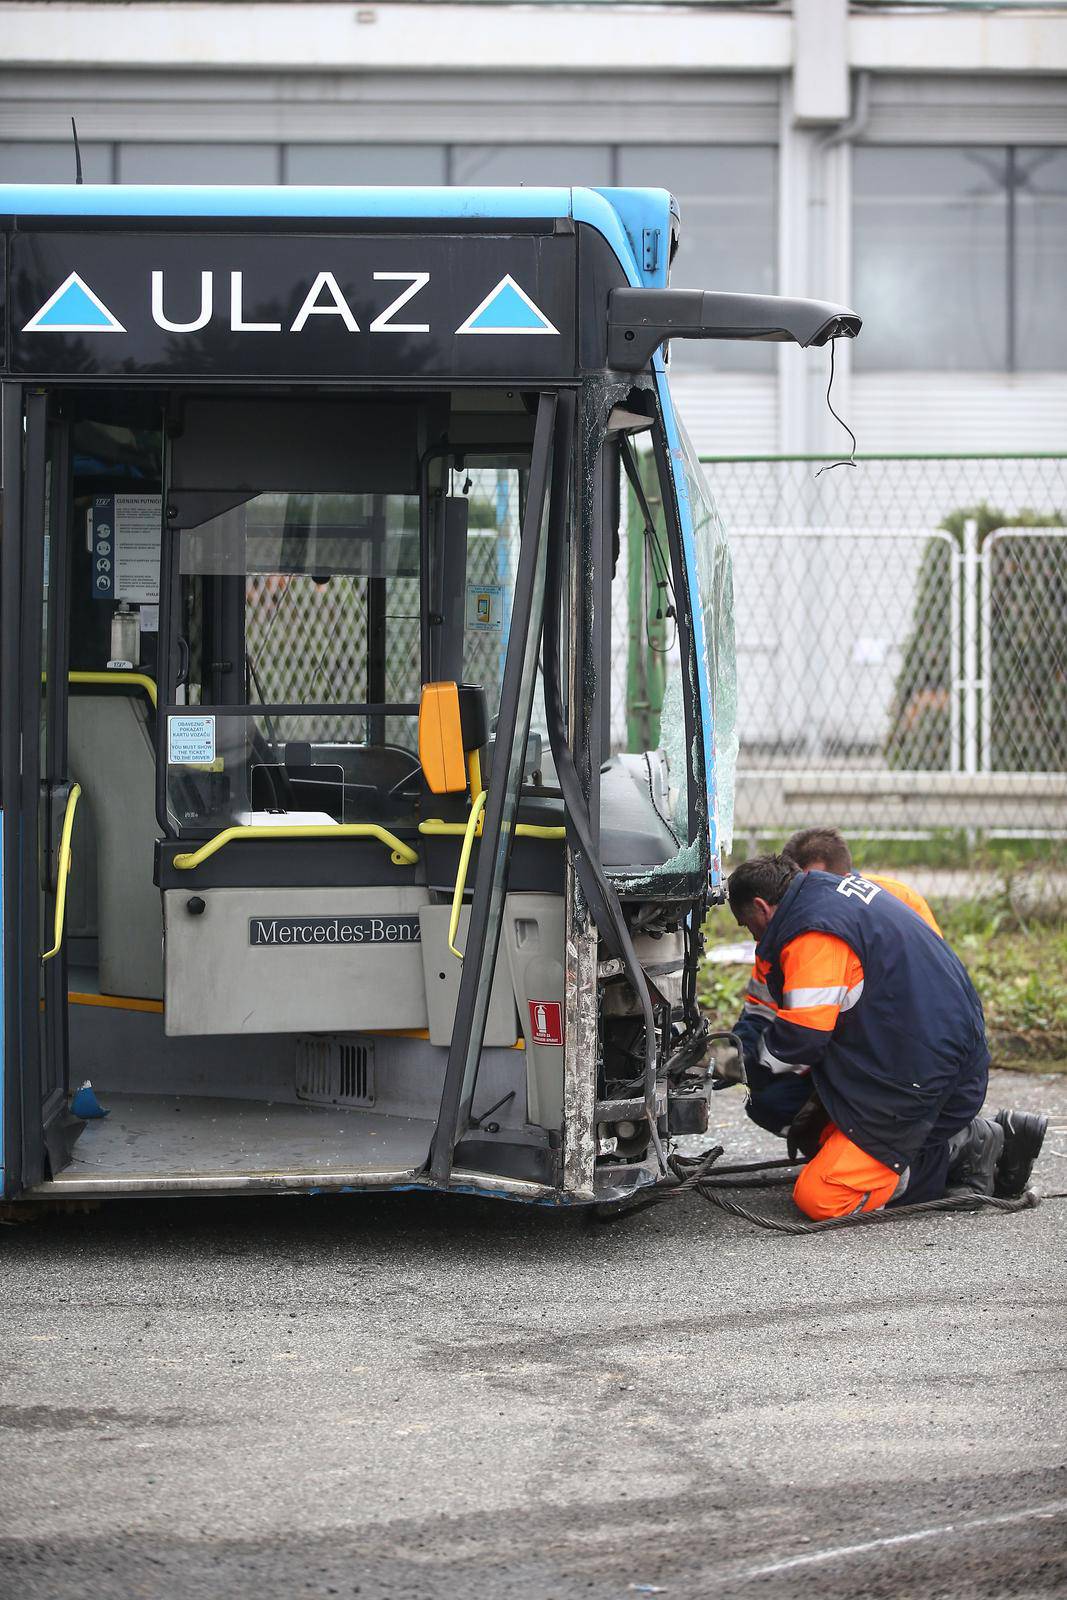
pixel 819 850
pixel 756 889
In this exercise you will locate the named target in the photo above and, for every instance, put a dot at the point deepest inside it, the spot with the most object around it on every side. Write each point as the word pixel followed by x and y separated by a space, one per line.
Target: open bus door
pixel 543 523
pixel 39 800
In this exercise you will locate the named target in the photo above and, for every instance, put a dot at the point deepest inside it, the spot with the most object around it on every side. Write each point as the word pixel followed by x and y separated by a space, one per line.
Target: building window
pixel 52 161
pixel 198 163
pixel 959 255
pixel 365 163
pixel 727 195
pixel 537 165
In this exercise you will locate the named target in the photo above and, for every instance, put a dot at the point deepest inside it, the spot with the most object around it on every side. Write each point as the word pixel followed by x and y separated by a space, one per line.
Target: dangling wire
pixel 851 462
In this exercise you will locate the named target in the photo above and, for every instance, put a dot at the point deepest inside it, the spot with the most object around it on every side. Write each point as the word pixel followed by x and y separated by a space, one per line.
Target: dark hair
pixel 820 844
pixel 762 878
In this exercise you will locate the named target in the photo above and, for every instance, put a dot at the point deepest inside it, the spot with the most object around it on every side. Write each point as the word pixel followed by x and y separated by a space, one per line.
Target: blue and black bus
pixel 321 866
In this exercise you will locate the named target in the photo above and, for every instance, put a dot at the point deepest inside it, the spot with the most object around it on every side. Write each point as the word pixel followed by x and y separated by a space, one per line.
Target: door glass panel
pixel 513 726
pixel 513 774
pixel 496 501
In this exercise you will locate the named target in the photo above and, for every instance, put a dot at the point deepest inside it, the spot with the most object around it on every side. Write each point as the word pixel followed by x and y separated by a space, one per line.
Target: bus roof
pixel 623 216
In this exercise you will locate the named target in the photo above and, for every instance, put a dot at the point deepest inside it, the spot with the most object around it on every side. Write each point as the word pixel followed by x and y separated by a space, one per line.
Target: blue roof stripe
pixel 298 201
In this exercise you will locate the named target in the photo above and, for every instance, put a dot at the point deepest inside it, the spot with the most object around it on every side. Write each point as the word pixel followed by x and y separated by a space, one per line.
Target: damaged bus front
pixel 322 862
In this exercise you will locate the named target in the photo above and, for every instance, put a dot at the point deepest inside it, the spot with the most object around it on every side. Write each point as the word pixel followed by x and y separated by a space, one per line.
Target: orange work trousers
pixel 842 1178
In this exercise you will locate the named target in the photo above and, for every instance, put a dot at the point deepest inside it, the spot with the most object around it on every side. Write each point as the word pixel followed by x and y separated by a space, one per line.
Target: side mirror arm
pixel 640 320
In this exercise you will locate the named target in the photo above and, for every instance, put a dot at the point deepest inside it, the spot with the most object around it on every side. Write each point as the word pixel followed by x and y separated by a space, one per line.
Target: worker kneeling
pixel 880 1012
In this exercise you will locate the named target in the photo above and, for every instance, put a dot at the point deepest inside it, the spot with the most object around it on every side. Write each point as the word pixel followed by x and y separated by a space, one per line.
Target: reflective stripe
pixel 773 1064
pixel 760 1009
pixel 797 999
pixel 852 996
pixel 759 991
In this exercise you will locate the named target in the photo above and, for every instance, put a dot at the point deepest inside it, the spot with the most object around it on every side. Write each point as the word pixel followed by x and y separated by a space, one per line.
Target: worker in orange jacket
pixel 774 1102
pixel 826 850
pixel 876 1012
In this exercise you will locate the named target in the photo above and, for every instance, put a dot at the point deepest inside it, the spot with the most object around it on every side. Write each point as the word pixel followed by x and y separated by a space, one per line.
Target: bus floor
pixel 169 1144
pixel 216 1113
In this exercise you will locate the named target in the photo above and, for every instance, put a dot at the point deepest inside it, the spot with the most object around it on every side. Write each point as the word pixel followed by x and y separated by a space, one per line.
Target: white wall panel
pixel 965 109
pixel 434 37
pixel 728 413
pixel 924 411
pixel 502 107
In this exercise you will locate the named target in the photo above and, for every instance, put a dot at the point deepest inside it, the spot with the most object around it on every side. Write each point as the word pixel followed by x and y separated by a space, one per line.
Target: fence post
pixel 985 562
pixel 970 646
pixel 955 636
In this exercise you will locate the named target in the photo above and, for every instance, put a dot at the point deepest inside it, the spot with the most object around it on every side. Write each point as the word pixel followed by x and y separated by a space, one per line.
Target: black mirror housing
pixel 639 320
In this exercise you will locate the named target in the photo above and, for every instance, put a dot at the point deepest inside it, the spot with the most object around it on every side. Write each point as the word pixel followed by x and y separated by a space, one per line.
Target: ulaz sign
pixel 174 304
pixel 76 308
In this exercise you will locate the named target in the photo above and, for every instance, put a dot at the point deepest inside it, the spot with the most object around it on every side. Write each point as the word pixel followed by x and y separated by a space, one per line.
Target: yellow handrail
pixel 402 854
pixel 143 682
pixel 461 876
pixel 64 868
pixel 436 827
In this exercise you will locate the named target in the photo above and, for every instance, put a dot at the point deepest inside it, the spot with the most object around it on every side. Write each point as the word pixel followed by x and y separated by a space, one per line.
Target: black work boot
pixel 974 1156
pixel 1024 1134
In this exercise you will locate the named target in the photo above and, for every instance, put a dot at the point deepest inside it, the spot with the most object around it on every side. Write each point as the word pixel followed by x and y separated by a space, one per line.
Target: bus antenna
pixel 77 153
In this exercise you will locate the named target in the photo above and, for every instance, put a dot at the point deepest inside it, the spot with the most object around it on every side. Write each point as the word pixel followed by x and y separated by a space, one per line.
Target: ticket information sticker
pixel 190 741
pixel 485 607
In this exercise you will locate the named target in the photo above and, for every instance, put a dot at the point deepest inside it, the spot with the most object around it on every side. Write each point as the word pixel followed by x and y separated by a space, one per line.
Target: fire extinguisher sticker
pixel 546 1022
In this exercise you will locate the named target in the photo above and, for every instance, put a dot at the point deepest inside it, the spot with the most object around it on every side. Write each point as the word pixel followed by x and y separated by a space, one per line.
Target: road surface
pixel 405 1399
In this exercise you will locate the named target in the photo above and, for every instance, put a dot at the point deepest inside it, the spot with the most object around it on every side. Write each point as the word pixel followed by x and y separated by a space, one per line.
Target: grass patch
pixel 953 848
pixel 1020 973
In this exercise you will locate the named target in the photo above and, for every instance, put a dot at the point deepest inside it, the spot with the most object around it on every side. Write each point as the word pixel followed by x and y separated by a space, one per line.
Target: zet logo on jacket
pixel 76 308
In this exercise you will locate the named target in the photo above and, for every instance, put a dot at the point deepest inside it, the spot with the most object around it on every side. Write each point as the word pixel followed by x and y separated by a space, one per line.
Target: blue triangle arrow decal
pixel 507 309
pixel 74 308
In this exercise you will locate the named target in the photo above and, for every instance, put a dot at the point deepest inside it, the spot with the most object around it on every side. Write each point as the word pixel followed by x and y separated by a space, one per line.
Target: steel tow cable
pixel 703 1181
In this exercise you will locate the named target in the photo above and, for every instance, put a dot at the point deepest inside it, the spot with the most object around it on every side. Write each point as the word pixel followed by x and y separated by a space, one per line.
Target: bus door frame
pixel 35 787
pixel 550 472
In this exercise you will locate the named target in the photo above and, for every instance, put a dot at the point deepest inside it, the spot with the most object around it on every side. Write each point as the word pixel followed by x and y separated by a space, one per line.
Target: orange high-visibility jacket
pixel 759 1008
pixel 877 1007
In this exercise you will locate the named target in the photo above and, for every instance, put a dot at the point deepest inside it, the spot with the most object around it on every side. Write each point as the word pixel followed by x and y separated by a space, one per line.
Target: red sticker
pixel 546 1022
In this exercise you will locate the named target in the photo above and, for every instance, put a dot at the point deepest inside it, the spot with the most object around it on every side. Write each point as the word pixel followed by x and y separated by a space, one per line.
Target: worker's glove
pixel 805 1130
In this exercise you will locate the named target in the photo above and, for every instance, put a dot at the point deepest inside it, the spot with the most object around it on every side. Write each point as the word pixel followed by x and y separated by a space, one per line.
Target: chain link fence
pixel 901 638
pixel 309 633
pixel 902 657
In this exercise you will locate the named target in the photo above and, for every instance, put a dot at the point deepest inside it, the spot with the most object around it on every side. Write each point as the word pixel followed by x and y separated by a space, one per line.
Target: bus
pixel 323 865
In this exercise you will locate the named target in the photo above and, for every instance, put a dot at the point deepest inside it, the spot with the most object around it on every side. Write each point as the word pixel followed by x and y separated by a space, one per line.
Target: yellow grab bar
pixel 402 854
pixel 469 832
pixel 64 868
pixel 436 828
pixel 139 678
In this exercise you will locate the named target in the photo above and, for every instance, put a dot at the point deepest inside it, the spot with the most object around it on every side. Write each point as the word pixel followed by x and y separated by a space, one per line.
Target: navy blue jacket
pixel 913 1045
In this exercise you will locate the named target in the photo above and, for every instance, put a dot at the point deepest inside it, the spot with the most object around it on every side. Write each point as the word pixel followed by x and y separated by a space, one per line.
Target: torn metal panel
pixel 580 1055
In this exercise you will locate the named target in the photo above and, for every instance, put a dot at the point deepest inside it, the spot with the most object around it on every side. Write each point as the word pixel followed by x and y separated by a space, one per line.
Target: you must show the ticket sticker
pixel 190 741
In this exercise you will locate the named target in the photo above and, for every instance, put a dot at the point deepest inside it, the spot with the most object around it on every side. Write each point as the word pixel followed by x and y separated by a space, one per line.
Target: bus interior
pixel 247 595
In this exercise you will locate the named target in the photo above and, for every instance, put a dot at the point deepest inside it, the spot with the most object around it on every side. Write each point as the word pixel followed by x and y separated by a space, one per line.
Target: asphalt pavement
pixel 404 1398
